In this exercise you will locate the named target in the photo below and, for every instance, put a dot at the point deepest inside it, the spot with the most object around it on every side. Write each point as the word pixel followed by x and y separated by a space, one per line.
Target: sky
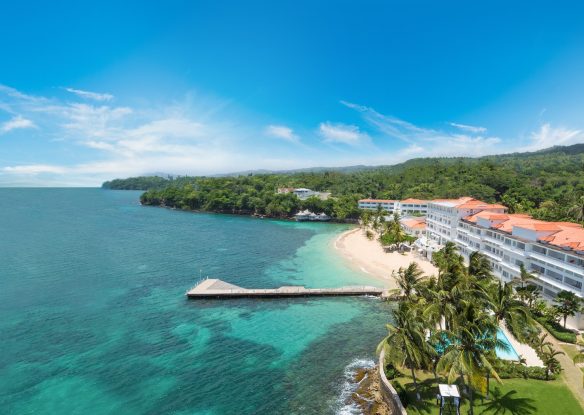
pixel 91 91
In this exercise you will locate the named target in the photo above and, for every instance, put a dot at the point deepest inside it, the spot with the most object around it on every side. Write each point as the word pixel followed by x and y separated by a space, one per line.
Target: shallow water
pixel 94 318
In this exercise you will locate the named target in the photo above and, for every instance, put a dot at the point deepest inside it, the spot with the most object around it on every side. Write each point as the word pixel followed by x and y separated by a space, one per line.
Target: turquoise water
pixel 510 354
pixel 94 318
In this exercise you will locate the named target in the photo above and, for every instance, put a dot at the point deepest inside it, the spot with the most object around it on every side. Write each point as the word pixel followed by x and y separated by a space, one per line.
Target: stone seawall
pixel 388 392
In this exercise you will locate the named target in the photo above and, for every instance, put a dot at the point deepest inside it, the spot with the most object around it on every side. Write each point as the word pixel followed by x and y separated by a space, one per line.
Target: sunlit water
pixel 94 319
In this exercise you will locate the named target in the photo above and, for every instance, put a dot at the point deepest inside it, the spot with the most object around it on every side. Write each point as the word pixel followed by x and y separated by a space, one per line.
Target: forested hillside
pixel 548 184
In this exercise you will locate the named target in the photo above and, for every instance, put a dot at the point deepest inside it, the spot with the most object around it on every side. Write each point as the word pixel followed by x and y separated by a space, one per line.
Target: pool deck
pixel 523 350
pixel 214 288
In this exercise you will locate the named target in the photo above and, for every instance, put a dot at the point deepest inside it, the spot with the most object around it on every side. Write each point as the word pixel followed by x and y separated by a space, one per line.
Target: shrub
pixel 510 370
pixel 391 372
pixel 556 330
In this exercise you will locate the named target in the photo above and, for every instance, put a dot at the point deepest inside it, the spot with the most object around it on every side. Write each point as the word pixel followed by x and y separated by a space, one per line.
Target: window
pixel 539 249
pixel 556 276
pixel 521 245
pixel 556 255
pixel 579 262
pixel 573 283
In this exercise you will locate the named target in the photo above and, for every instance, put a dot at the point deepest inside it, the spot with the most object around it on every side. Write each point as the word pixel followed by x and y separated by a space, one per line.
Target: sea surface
pixel 94 320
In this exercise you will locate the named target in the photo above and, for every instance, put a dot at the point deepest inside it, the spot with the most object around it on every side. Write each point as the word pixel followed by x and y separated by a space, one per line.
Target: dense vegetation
pixel 448 325
pixel 137 183
pixel 548 184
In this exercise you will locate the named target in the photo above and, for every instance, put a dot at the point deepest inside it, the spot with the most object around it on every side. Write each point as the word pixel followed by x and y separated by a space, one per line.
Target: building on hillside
pixel 390 206
pixel 415 226
pixel 413 207
pixel 552 251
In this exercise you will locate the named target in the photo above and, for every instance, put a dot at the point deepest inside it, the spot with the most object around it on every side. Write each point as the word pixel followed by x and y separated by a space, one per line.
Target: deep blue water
pixel 94 319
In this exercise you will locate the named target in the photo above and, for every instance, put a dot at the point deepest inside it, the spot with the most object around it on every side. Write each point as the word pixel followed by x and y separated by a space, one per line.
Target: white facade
pixel 413 207
pixel 304 193
pixel 509 241
pixel 389 206
pixel 404 207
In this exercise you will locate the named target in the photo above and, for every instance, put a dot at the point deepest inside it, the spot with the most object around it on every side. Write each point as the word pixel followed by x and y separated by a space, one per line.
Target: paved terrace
pixel 214 288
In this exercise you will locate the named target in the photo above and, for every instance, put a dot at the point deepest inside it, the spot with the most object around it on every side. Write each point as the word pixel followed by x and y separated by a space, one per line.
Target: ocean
pixel 94 319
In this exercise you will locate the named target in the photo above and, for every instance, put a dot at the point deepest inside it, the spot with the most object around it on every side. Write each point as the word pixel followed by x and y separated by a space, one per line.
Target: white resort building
pixel 551 251
pixel 303 193
pixel 390 206
pixel 404 207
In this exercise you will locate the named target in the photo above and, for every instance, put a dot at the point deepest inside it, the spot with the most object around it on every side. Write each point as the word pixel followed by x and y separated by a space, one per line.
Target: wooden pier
pixel 214 288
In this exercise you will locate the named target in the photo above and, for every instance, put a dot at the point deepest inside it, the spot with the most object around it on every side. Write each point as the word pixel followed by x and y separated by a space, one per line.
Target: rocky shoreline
pixel 368 395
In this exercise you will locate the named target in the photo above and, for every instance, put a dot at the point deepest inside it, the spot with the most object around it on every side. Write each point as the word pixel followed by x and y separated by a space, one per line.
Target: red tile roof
pixel 415 201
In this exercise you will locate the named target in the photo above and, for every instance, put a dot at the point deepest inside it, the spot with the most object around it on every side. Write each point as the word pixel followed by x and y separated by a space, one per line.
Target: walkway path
pixel 571 373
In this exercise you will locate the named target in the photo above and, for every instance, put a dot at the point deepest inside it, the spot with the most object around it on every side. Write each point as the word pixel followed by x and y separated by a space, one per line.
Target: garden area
pixel 449 329
pixel 513 397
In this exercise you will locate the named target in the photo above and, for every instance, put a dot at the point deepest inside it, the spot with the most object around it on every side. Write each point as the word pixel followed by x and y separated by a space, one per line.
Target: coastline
pixel 368 257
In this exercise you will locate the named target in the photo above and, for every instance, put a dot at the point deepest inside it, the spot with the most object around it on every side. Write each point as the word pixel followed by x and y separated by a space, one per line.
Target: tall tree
pixel 468 354
pixel 524 276
pixel 405 345
pixel 508 309
pixel 408 279
pixel 568 304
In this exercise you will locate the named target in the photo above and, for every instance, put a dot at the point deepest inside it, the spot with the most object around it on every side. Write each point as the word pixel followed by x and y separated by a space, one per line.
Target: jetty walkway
pixel 214 288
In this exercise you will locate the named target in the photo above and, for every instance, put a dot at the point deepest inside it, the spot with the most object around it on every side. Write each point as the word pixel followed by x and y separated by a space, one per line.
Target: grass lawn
pixel 513 397
pixel 571 350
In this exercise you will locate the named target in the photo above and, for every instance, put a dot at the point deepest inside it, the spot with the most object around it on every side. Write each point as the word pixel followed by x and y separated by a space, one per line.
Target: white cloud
pixel 96 96
pixel 547 136
pixel 469 128
pixel 427 142
pixel 33 169
pixel 341 133
pixel 281 131
pixel 15 123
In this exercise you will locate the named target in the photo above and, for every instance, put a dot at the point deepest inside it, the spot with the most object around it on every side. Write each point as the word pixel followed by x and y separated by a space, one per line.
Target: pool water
pixel 510 354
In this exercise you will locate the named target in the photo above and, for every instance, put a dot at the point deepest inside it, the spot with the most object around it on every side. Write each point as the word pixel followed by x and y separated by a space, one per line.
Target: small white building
pixel 307 215
pixel 414 226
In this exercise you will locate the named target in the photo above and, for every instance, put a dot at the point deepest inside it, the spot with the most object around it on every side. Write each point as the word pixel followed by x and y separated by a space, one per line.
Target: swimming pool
pixel 510 354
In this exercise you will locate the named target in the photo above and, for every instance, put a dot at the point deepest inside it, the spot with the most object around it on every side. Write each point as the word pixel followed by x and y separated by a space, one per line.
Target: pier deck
pixel 214 288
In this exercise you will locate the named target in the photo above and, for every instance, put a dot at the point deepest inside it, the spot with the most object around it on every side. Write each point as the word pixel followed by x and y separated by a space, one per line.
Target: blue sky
pixel 90 92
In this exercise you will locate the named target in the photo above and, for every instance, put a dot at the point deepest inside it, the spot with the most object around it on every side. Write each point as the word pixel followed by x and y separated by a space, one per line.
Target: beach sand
pixel 369 257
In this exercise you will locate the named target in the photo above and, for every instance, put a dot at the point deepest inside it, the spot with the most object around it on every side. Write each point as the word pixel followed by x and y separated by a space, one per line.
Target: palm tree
pixel 507 308
pixel 469 352
pixel 524 276
pixel 529 294
pixel 408 279
pixel 405 345
pixel 440 307
pixel 540 343
pixel 552 365
pixel 577 209
pixel 479 266
pixel 568 304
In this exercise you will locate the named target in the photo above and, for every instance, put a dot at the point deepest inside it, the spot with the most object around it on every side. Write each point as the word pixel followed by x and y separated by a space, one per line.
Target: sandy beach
pixel 369 257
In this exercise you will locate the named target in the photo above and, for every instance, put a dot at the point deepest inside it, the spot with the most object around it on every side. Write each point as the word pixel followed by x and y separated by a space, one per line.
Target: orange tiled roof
pixel 563 234
pixel 412 200
pixel 415 223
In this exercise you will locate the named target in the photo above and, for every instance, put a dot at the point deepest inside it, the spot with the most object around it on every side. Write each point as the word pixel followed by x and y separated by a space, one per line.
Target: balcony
pixel 561 264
